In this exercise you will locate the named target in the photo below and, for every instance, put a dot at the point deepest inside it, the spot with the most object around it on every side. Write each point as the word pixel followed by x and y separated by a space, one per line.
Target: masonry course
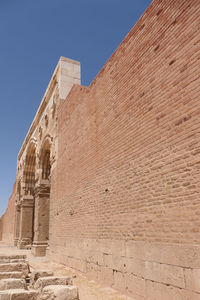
pixel 117 163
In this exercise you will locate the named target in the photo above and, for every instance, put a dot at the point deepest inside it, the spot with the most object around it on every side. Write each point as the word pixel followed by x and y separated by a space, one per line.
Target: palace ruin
pixel 108 175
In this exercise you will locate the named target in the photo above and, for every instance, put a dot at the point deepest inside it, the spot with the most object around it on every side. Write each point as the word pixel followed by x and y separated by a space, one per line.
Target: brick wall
pixel 125 193
pixel 8 220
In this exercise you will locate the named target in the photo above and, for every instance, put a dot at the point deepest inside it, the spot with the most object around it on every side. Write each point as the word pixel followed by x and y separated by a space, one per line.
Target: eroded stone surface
pixel 19 294
pixel 59 292
pixel 35 275
pixel 52 280
pixel 12 283
pixel 13 256
pixel 4 275
pixel 15 267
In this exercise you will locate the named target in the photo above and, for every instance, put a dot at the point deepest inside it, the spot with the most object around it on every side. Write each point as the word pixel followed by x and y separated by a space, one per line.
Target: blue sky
pixel 33 35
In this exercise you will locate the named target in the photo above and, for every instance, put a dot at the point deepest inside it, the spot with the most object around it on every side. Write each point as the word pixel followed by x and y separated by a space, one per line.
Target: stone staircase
pixel 18 283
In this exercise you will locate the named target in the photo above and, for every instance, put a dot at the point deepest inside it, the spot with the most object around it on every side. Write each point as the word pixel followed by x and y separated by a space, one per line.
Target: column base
pixel 24 244
pixel 15 242
pixel 39 249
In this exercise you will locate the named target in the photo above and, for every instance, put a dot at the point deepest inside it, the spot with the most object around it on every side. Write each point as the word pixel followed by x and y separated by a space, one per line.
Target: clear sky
pixel 33 35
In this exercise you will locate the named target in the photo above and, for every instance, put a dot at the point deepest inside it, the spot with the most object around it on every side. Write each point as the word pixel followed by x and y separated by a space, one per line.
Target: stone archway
pixel 42 202
pixel 27 198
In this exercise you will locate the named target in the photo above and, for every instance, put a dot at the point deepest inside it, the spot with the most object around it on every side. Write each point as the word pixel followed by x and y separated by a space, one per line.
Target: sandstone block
pixel 4 275
pixel 134 266
pixel 19 260
pixel 52 280
pixel 135 285
pixel 37 274
pixel 59 292
pixel 12 260
pixel 105 275
pixel 159 291
pixel 114 262
pixel 13 257
pixel 18 294
pixel 15 267
pixel 174 254
pixel 12 283
pixel 165 274
pixel 192 278
pixel 119 281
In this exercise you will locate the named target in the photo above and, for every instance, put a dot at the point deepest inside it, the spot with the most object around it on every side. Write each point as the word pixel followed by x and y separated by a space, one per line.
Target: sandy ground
pixel 88 289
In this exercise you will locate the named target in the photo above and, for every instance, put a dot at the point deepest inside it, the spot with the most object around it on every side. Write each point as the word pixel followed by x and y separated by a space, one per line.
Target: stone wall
pixel 125 192
pixel 121 159
pixel 8 220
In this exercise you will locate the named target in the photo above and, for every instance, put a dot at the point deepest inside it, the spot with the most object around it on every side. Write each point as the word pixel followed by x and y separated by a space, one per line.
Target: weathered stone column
pixel 41 222
pixel 26 221
pixel 17 223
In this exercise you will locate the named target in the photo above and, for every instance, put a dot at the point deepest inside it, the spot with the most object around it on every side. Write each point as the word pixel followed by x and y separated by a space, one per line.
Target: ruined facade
pixel 37 160
pixel 108 175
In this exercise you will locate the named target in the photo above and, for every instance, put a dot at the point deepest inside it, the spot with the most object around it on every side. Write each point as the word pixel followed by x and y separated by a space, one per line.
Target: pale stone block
pixel 67 69
pixel 157 291
pixel 173 254
pixel 37 274
pixel 77 71
pixel 59 292
pixel 4 275
pixel 38 250
pixel 64 91
pixel 96 258
pixel 70 71
pixel 12 259
pixel 192 278
pixel 106 276
pixel 75 249
pixel 77 264
pixel 165 274
pixel 52 280
pixel 11 283
pixel 77 81
pixel 135 250
pixel 135 285
pixel 114 247
pixel 114 262
pixel 89 248
pixel 134 266
pixel 15 267
pixel 92 271
pixel 18 294
pixel 18 256
pixel 119 281
pixel 18 261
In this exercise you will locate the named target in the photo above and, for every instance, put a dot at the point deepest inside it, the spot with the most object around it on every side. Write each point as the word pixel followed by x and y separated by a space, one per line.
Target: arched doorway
pixel 42 202
pixel 27 199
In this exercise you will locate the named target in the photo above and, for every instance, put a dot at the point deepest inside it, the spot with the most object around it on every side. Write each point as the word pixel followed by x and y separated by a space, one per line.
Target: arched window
pixel 29 170
pixel 45 161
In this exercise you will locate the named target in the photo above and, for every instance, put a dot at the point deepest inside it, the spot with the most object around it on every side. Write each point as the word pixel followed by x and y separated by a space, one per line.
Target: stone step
pixel 12 283
pixel 19 294
pixel 6 275
pixel 58 292
pixel 12 257
pixel 15 267
pixel 35 275
pixel 52 280
pixel 14 260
